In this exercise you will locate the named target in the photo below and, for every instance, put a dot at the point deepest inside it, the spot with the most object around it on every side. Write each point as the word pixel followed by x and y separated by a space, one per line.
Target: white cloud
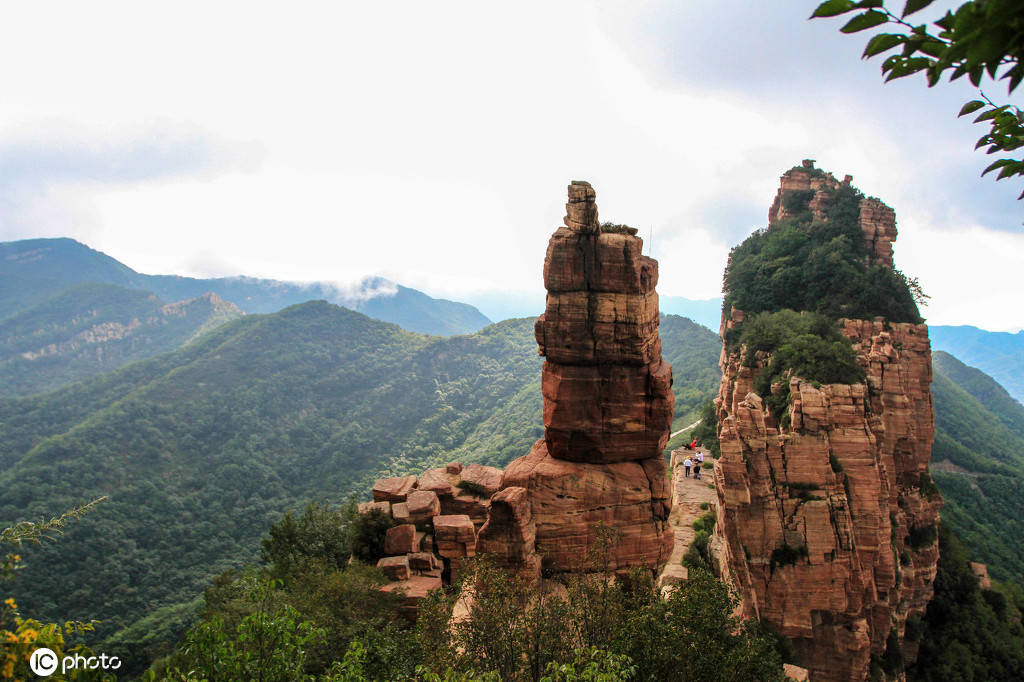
pixel 431 143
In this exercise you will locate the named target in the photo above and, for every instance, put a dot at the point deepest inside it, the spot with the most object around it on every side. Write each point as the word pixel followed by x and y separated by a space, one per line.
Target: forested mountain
pixel 94 328
pixel 998 354
pixel 34 270
pixel 978 464
pixel 201 449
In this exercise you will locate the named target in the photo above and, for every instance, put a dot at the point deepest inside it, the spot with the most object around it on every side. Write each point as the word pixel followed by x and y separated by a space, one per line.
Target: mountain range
pixel 33 271
pixel 203 425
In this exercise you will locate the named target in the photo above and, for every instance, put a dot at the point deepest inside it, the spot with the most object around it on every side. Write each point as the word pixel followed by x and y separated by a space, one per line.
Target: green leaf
pixel 1008 170
pixel 915 6
pixel 997 164
pixel 933 48
pixel 882 42
pixel 863 21
pixel 987 115
pixel 976 72
pixel 973 105
pixel 831 8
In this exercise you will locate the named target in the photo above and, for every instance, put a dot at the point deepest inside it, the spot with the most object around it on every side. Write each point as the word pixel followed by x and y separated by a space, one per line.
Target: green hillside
pixel 35 270
pixel 998 354
pixel 94 328
pixel 201 449
pixel 978 464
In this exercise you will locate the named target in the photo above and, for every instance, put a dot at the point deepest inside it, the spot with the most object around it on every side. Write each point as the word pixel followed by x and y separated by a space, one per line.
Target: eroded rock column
pixel 607 401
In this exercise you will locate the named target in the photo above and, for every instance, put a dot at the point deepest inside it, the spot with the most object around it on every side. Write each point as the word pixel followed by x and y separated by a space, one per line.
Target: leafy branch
pixel 981 38
pixel 36 532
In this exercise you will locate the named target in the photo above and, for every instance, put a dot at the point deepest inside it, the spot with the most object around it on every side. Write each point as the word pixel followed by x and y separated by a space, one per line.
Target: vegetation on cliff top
pixel 807 265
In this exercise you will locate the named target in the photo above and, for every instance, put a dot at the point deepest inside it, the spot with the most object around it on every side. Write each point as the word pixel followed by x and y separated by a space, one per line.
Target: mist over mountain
pixel 34 270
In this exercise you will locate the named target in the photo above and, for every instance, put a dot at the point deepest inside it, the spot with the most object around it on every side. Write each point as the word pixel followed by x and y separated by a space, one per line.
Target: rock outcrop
pixel 829 520
pixel 607 412
pixel 607 402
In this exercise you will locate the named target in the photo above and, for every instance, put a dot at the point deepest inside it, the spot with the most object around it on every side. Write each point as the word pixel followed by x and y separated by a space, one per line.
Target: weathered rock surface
pixel 367 507
pixel 393 489
pixel 606 413
pixel 828 521
pixel 414 589
pixel 480 479
pixel 570 499
pixel 510 535
pixel 395 567
pixel 401 539
pixel 607 408
pixel 455 536
pixel 422 505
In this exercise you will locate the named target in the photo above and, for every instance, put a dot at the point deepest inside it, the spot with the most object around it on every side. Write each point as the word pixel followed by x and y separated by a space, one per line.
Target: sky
pixel 431 143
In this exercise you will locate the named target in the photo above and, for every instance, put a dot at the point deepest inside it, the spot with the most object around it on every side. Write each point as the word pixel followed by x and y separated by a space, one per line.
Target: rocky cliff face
pixel 607 399
pixel 829 520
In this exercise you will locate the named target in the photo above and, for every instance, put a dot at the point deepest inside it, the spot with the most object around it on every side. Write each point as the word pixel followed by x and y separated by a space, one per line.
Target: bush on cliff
pixel 802 264
pixel 808 345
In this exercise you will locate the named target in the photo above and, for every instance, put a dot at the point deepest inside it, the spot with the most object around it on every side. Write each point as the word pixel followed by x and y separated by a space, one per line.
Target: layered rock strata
pixel 829 520
pixel 607 412
pixel 607 403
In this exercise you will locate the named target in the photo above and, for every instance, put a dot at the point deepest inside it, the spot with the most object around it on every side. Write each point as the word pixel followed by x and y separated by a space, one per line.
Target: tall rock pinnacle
pixel 607 399
pixel 828 514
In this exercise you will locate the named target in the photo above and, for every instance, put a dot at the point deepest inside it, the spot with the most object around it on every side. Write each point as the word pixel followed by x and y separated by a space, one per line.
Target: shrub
pixel 922 536
pixel 787 555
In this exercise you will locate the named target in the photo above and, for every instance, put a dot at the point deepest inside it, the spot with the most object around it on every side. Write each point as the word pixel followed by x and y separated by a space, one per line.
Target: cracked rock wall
pixel 828 522
pixel 607 402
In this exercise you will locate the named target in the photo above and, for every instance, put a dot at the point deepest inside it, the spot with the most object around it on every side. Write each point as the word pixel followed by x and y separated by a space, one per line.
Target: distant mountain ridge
pixel 94 328
pixel 34 270
pixel 998 354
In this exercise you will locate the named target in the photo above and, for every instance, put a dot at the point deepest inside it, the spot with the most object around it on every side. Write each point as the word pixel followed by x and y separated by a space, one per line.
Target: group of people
pixel 694 462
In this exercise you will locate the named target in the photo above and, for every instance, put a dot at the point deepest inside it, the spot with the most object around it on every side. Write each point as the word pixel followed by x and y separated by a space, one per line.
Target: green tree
pixel 982 38
pixel 268 645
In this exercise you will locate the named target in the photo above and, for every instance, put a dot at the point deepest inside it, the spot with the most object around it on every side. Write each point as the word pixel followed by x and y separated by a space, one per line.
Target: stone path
pixel 687 496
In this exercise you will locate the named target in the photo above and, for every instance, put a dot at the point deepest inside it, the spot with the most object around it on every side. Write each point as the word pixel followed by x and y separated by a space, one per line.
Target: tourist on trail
pixel 696 470
pixel 693 445
pixel 700 458
pixel 687 463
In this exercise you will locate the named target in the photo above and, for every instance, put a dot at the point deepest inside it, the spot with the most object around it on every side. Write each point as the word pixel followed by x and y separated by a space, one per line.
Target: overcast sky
pixel 431 143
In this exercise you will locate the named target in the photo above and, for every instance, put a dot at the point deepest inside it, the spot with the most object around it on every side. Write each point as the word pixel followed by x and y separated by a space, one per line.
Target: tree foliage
pixel 982 38
pixel 820 266
pixel 968 633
